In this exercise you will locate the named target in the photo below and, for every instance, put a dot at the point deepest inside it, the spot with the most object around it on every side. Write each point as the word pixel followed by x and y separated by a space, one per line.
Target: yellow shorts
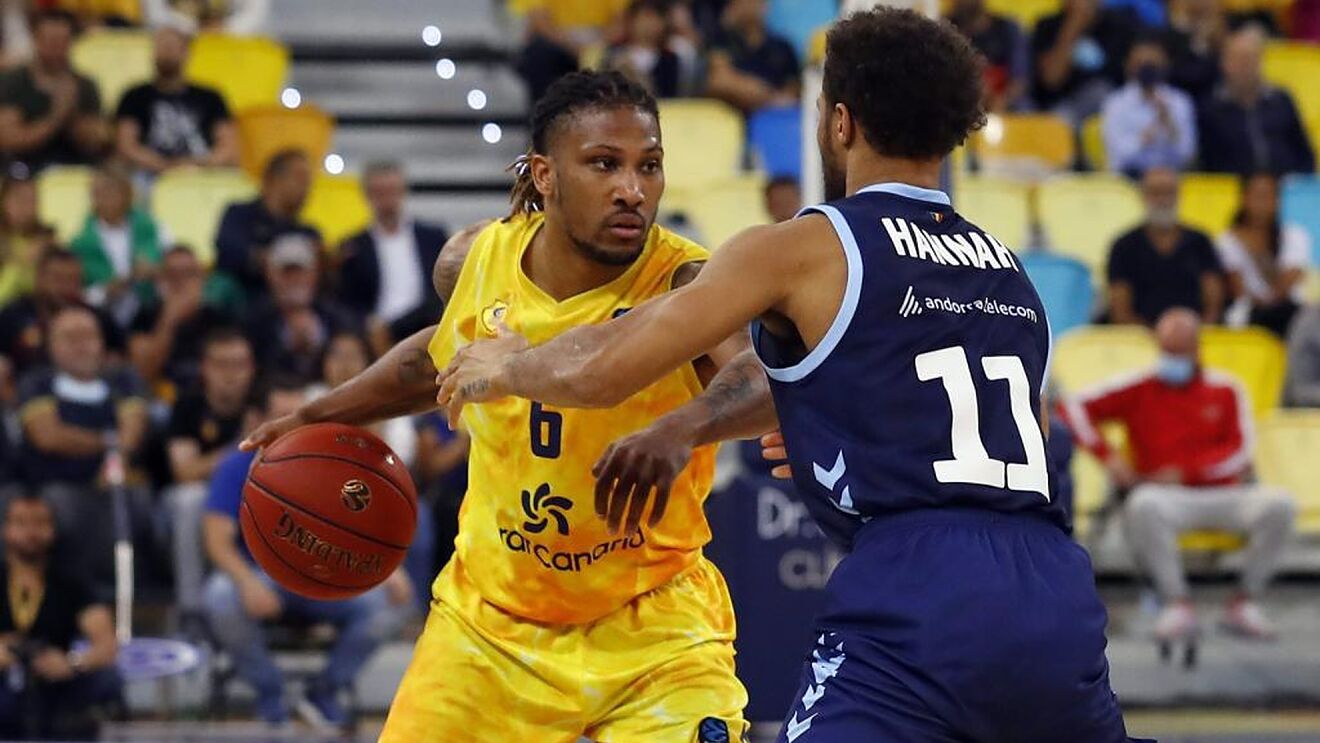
pixel 658 670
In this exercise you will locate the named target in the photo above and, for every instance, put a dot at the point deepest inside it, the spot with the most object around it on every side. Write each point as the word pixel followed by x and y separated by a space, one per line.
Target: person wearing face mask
pixel 1189 433
pixel 290 329
pixel 1162 263
pixel 1147 123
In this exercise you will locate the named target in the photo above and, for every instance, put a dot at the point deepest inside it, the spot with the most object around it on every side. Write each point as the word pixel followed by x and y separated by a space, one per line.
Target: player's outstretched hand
pixel 632 468
pixel 773 450
pixel 267 432
pixel 477 373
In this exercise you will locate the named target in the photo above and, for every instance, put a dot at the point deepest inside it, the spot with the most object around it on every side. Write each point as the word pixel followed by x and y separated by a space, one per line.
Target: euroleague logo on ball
pixel 355 494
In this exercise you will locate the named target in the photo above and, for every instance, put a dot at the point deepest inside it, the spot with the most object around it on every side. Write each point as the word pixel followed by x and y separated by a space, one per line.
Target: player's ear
pixel 543 175
pixel 844 126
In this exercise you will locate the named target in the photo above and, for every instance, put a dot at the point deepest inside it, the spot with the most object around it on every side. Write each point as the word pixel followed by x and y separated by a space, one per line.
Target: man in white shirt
pixel 385 269
pixel 1147 123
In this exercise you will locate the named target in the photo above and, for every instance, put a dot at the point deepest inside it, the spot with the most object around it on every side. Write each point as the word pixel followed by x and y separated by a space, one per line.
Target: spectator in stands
pixel 49 113
pixel 1150 13
pixel 1162 263
pixel 23 237
pixel 1266 260
pixel 1190 435
pixel 71 415
pixel 169 121
pixel 783 198
pixel 558 32
pixel 240 599
pixel 749 66
pixel 290 328
pixel 24 321
pixel 1196 33
pixel 119 246
pixel 238 17
pixel 1008 61
pixel 167 336
pixel 248 229
pixel 1249 125
pixel 384 270
pixel 643 54
pixel 1079 54
pixel 1303 383
pixel 1147 123
pixel 348 353
pixel 204 426
pixel 441 471
pixel 63 693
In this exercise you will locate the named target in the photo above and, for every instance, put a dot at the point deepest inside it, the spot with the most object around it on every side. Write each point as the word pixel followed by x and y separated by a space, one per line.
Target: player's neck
pixel 865 169
pixel 560 269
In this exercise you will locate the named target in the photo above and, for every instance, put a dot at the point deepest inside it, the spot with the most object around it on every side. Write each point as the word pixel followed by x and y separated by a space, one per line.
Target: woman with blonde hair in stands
pixel 1266 259
pixel 23 237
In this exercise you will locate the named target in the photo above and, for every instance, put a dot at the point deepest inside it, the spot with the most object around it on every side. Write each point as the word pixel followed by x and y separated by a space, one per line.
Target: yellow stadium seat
pixel 266 130
pixel 64 198
pixel 816 48
pixel 1024 143
pixel 1295 65
pixel 116 59
pixel 247 70
pixel 1025 12
pixel 703 141
pixel 1211 541
pixel 189 203
pixel 1208 201
pixel 1093 143
pixel 1083 215
pixel 337 207
pixel 1255 357
pixel 1285 456
pixel 1000 206
pixel 721 209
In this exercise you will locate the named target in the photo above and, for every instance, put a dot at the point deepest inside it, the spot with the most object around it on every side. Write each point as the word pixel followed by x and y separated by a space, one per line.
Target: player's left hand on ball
pixel 773 450
pixel 477 373
pixel 631 469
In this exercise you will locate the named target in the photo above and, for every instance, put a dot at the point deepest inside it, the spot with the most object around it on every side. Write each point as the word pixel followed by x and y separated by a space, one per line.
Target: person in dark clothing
pixel 23 322
pixel 48 113
pixel 169 121
pixel 1163 264
pixel 1248 125
pixel 644 54
pixel 290 328
pixel 166 336
pixel 384 270
pixel 751 67
pixel 1079 55
pixel 1008 62
pixel 60 691
pixel 1194 37
pixel 248 229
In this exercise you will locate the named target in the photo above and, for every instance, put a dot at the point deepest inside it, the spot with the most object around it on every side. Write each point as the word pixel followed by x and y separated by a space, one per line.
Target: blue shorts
pixel 959 625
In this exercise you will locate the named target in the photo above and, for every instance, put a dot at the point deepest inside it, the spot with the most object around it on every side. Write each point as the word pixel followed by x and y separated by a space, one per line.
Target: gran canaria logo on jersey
pixel 494 315
pixel 542 508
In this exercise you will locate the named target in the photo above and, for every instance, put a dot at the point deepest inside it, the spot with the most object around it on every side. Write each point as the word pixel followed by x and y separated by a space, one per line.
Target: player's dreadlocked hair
pixel 567 96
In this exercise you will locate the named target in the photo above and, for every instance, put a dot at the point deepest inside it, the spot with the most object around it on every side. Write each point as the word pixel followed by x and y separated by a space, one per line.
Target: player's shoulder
pixel 454 253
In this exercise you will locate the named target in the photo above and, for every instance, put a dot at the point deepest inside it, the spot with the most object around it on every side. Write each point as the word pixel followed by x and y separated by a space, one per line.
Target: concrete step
pixel 457 210
pixel 410 90
pixel 350 22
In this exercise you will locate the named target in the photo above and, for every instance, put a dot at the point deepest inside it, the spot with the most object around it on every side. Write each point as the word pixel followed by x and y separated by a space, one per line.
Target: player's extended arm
pixel 735 404
pixel 402 382
pixel 599 366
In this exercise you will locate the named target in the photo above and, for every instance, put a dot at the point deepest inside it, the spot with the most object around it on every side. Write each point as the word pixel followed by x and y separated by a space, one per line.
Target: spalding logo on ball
pixel 293 516
pixel 356 495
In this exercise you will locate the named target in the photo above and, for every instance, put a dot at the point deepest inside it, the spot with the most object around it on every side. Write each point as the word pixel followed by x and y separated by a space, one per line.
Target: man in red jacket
pixel 1190 439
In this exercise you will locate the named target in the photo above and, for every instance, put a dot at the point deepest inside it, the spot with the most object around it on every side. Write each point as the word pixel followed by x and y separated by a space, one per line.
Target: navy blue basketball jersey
pixel 925 391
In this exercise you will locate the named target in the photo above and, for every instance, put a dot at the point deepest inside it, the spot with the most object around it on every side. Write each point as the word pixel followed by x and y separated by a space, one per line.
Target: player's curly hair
pixel 567 96
pixel 913 84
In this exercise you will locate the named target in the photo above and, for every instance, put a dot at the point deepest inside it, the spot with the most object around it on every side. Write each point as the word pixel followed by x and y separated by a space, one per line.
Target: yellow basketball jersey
pixel 529 537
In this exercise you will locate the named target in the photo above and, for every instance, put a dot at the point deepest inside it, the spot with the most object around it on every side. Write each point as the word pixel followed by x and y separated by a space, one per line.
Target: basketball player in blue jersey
pixel 906 351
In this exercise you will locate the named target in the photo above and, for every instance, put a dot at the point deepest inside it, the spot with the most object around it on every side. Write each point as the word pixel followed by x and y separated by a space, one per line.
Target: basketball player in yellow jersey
pixel 561 614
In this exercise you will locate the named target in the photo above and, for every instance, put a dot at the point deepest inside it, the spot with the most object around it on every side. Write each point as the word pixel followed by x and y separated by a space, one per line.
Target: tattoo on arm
pixel 474 388
pixel 416 368
pixel 737 403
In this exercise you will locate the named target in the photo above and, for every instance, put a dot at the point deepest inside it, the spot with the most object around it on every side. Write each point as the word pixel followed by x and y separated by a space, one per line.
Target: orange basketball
pixel 328 511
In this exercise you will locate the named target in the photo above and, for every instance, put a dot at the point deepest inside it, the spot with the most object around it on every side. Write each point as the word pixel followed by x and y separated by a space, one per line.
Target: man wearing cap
pixel 290 327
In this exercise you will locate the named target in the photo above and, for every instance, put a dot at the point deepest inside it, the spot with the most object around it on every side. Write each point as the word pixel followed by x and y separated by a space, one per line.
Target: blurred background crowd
pixel 211 209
